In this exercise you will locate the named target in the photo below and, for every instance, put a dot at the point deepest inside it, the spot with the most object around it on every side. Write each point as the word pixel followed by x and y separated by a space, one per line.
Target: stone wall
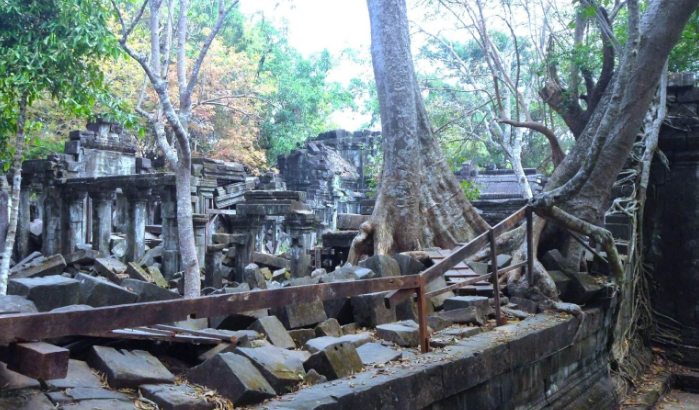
pixel 671 221
pixel 544 362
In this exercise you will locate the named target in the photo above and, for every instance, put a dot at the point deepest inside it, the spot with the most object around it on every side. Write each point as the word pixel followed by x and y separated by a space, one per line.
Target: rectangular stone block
pixel 47 293
pixel 369 310
pixel 296 316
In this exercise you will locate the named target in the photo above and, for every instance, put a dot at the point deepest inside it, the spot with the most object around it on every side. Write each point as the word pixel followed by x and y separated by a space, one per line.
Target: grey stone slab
pixel 376 353
pixel 461 332
pixel 437 284
pixel 274 331
pixel 254 277
pixel 469 315
pixel 461 302
pixel 72 308
pixel 503 261
pixel 438 323
pixel 26 401
pixel 39 267
pixel 79 394
pixel 148 292
pixel 402 335
pixel 100 405
pixel 524 305
pixel 301 336
pixel 13 304
pixel 313 377
pixel 234 377
pixel 152 256
pixel 10 380
pixel 369 310
pixel 158 278
pixel 320 343
pixel 282 369
pixel 330 327
pixel 335 361
pixel 111 268
pixel 47 293
pixel 175 397
pixel 128 369
pixel 384 266
pixel 98 292
pixel 79 375
pixel 82 257
pixel 582 288
pixel 408 264
pixel 302 315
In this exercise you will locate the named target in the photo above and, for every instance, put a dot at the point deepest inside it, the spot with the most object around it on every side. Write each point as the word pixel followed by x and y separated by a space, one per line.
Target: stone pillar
pixel 73 220
pixel 200 239
pixel 301 230
pixel 136 228
pixel 101 221
pixel 213 277
pixel 23 220
pixel 52 228
pixel 249 226
pixel 170 236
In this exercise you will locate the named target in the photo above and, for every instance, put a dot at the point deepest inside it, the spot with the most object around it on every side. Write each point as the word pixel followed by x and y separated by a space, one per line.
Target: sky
pixel 315 25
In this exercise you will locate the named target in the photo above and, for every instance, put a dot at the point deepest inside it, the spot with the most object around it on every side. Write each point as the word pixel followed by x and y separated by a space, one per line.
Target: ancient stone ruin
pixel 284 322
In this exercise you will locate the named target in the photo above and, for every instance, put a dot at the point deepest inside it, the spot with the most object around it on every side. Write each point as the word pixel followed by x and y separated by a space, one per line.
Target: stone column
pixel 73 220
pixel 52 228
pixel 136 227
pixel 301 230
pixel 170 236
pixel 200 239
pixel 102 221
pixel 121 214
pixel 249 226
pixel 23 220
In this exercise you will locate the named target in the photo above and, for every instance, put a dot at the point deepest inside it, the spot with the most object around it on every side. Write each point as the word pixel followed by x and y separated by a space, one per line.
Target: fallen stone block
pixel 275 332
pixel 118 247
pixel 554 260
pixel 254 277
pixel 301 336
pixel 479 268
pixel 302 315
pixel 35 257
pixel 408 264
pixel 157 276
pixel 128 369
pixel 369 310
pixel 13 304
pixel 439 283
pixel 98 292
pixel 399 334
pixel 39 267
pixel 350 328
pixel 280 367
pixel 152 256
pixel 79 394
pixel 376 353
pixel 321 343
pixel 48 292
pixel 100 404
pixel 27 401
pixel 461 332
pixel 82 257
pixel 234 377
pixel 238 321
pixel 79 375
pixel 135 271
pixel 384 266
pixel 503 260
pixel 438 323
pixel 519 314
pixel 38 360
pixel 469 315
pixel 460 302
pixel 175 397
pixel 336 361
pixel 524 305
pixel 148 292
pixel 312 378
pixel 582 288
pixel 561 280
pixel 111 268
pixel 330 327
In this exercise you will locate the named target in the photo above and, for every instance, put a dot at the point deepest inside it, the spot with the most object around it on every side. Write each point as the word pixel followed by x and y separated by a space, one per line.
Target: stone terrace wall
pixel 672 221
pixel 544 362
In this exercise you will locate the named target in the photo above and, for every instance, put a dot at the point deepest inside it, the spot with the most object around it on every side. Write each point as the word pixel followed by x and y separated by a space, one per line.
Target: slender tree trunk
pixel 16 186
pixel 420 203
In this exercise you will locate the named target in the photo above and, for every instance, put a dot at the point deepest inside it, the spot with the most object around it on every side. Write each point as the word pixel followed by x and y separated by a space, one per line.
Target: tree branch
pixel 556 150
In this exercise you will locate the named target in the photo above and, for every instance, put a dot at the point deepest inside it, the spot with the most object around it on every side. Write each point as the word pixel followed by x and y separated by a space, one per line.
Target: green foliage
pixel 52 49
pixel 471 190
pixel 685 56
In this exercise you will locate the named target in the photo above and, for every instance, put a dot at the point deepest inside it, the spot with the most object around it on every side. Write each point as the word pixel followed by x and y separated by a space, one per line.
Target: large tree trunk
pixel 16 186
pixel 420 203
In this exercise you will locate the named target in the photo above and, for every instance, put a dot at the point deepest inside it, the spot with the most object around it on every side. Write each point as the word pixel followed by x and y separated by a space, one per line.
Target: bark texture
pixel 14 202
pixel 420 203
